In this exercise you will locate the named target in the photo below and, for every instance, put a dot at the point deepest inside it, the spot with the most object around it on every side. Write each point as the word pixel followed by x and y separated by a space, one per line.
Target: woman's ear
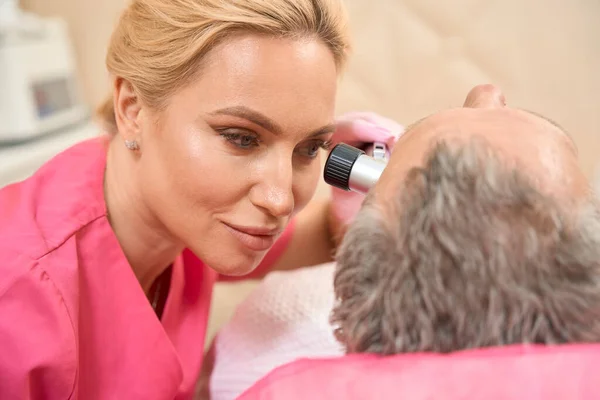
pixel 127 110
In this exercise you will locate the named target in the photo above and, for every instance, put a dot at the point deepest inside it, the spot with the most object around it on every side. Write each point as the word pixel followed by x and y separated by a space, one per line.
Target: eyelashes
pixel 244 140
pixel 327 145
pixel 241 140
pixel 322 144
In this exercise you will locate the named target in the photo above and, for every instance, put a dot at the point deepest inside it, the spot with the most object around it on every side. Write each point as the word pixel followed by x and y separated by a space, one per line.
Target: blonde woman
pixel 109 252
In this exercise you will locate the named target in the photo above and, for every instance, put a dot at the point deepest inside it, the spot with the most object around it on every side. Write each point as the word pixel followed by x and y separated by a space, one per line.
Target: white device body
pixel 365 173
pixel 38 79
pixel 368 168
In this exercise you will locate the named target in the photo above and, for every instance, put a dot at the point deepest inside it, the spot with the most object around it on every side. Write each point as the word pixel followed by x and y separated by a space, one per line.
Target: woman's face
pixel 236 153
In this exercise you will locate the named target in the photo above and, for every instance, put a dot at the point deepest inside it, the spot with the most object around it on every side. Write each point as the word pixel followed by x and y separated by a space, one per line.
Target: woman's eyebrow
pixel 323 130
pixel 251 115
pixel 265 122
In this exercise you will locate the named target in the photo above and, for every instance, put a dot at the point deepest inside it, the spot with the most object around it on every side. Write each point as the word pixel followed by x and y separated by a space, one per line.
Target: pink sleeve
pixel 270 258
pixel 38 357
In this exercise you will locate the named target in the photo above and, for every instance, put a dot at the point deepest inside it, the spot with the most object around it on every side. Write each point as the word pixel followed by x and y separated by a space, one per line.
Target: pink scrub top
pixel 74 321
pixel 518 372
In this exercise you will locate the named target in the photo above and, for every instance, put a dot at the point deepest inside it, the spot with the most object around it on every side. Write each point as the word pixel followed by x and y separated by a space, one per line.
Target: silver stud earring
pixel 132 145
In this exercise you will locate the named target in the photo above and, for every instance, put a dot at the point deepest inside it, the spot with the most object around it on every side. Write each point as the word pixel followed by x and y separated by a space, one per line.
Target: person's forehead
pixel 514 126
pixel 538 145
pixel 489 114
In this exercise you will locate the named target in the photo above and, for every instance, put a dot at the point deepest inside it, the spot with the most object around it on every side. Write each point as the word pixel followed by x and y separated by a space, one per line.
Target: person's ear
pixel 128 108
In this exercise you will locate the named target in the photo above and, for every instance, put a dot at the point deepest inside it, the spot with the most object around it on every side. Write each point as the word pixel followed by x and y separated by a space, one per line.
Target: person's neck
pixel 146 243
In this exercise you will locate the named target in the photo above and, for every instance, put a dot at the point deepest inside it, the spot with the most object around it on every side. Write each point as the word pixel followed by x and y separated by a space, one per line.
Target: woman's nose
pixel 485 96
pixel 274 192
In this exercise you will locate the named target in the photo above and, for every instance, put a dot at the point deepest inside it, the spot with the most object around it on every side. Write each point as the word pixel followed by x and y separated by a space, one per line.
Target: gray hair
pixel 469 254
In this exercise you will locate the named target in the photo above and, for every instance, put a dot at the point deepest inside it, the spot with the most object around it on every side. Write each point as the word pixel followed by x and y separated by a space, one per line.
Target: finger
pixel 361 131
pixel 376 119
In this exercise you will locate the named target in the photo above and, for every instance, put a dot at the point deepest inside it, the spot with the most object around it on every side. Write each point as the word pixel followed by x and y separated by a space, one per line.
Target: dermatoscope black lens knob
pixel 339 165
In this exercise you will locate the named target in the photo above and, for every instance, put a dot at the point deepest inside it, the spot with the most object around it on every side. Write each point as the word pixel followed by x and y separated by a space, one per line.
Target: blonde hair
pixel 158 45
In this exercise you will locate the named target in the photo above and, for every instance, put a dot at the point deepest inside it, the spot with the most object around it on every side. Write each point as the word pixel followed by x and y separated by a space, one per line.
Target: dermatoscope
pixel 350 168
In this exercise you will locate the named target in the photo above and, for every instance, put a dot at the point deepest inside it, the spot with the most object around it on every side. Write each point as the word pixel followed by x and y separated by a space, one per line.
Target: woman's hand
pixel 357 129
pixel 360 128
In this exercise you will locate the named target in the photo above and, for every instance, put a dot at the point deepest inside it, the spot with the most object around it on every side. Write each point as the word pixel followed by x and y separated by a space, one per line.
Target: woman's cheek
pixel 305 184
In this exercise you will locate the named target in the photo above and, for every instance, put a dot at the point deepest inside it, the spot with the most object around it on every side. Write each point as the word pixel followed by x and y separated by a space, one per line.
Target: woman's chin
pixel 235 263
pixel 226 254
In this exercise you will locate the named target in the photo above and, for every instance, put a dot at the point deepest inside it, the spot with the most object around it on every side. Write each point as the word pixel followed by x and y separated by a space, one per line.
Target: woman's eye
pixel 311 149
pixel 241 140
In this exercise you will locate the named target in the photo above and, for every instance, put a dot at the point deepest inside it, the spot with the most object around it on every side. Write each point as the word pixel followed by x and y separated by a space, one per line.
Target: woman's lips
pixel 254 238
